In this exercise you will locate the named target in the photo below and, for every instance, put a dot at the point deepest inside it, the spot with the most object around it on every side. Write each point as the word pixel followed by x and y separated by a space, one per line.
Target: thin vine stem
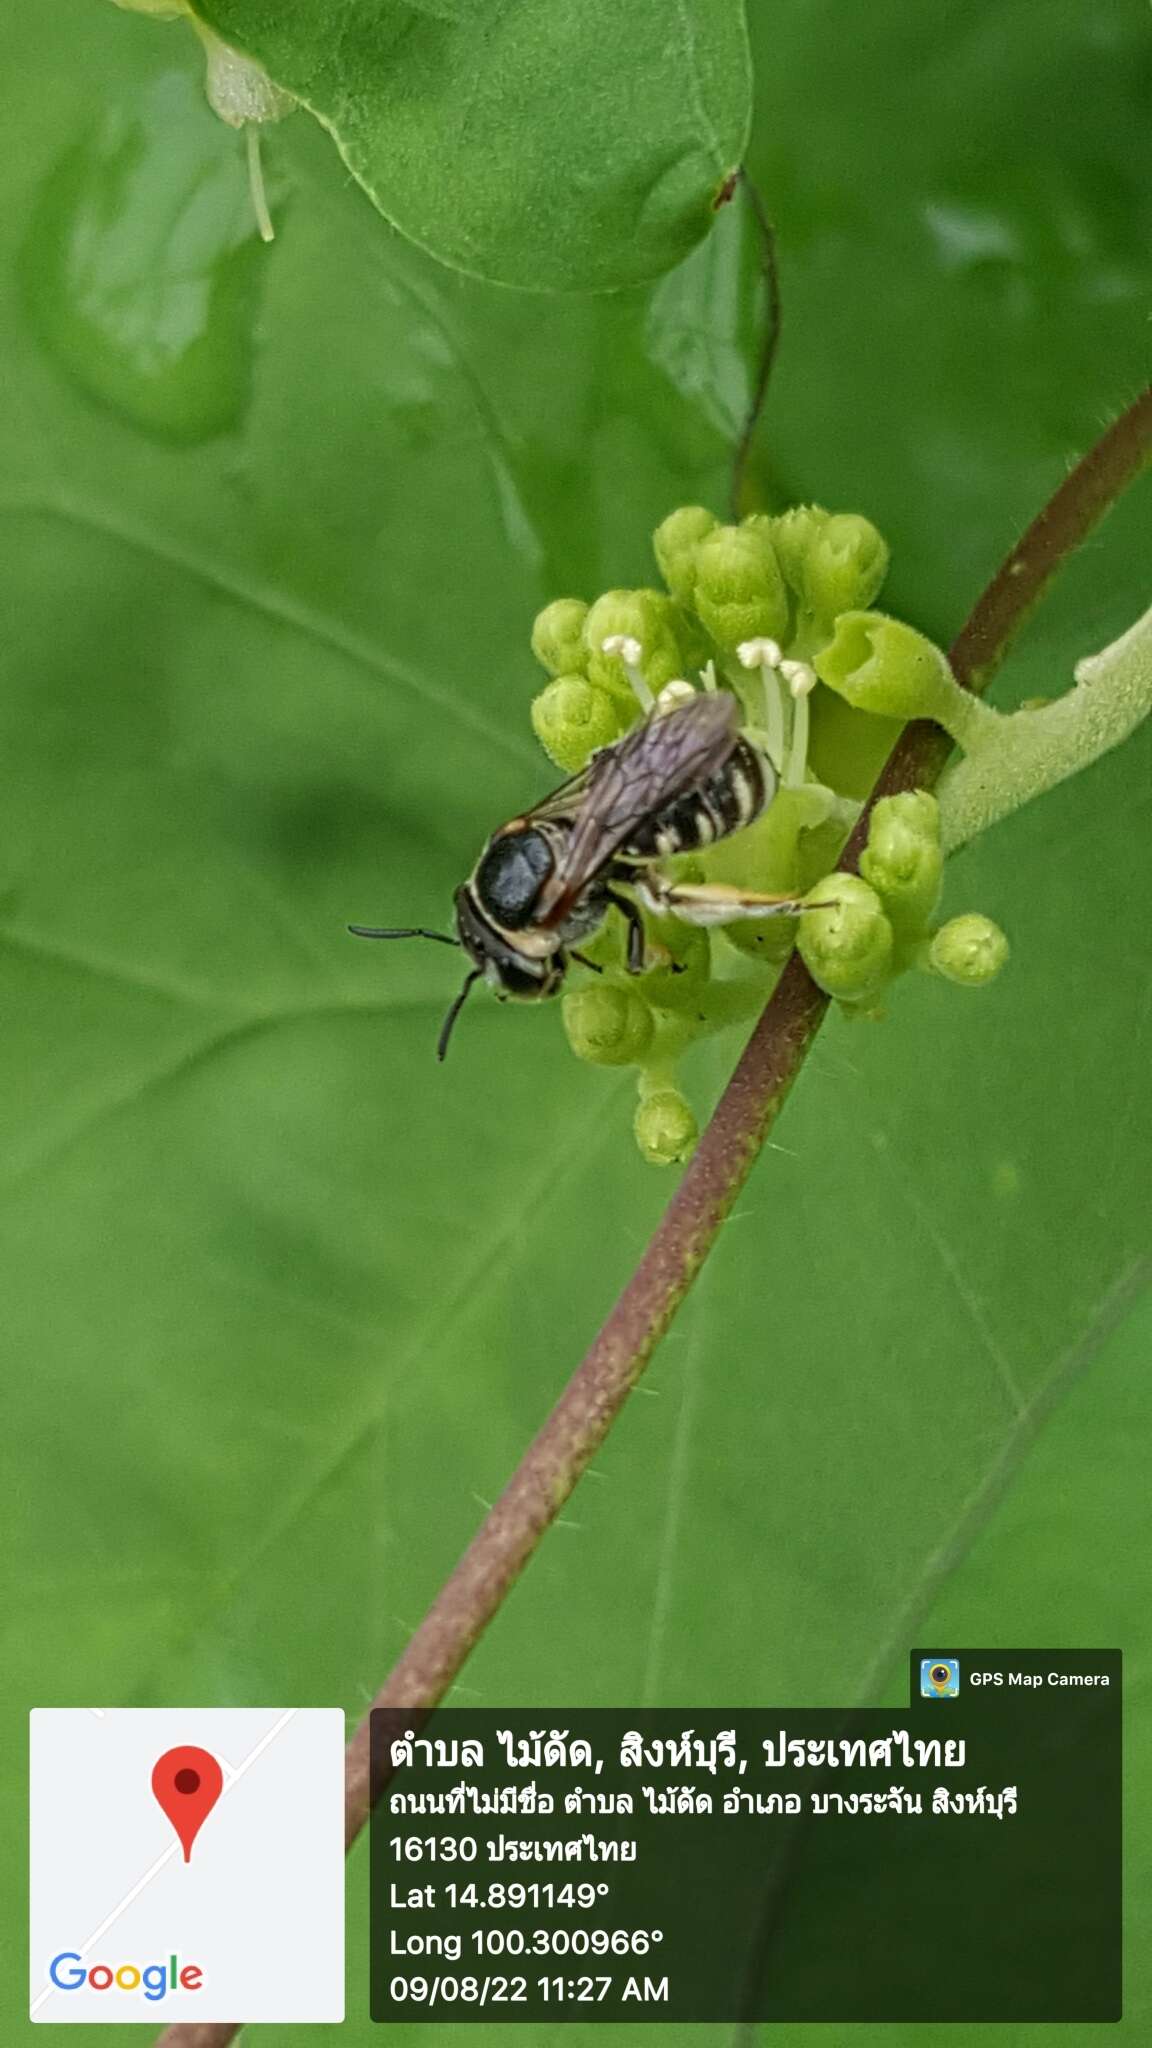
pixel 748 1108
pixel 770 280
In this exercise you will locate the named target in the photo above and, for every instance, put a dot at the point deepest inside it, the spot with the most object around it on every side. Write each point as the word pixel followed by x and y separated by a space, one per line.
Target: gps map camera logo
pixel 939 1678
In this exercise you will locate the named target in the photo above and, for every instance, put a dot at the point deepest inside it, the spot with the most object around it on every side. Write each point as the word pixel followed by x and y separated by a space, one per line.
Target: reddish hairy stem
pixel 597 1391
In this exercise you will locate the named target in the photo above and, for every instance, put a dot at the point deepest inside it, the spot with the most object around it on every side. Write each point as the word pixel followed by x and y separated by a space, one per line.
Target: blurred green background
pixel 283 1302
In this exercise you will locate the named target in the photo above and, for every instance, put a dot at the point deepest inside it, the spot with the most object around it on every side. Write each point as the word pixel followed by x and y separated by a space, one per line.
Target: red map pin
pixel 187 1782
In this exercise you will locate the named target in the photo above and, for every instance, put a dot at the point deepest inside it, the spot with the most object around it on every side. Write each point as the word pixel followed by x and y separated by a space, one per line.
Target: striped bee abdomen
pixel 730 798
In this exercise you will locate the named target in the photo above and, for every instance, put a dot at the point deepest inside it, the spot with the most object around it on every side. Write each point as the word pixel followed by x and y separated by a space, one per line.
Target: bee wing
pixel 626 782
pixel 562 802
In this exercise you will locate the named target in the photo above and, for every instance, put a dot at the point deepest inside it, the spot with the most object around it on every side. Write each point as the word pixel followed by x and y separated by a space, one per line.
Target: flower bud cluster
pixel 864 929
pixel 777 610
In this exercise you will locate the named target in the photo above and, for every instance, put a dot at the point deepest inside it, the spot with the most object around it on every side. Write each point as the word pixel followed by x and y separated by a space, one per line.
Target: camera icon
pixel 939 1678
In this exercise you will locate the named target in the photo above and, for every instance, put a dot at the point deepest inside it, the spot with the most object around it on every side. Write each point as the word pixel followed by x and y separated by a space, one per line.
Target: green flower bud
pixel 608 1023
pixel 666 1130
pixel 845 566
pixel 881 665
pixel 674 545
pixel 572 717
pixel 847 947
pixel 649 618
pixel 794 534
pixel 558 637
pixel 970 950
pixel 740 593
pixel 903 859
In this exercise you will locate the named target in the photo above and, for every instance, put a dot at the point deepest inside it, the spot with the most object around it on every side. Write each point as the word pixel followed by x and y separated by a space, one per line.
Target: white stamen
pixel 800 677
pixel 759 654
pixel 708 676
pixel 631 655
pixel 674 693
pixel 787 749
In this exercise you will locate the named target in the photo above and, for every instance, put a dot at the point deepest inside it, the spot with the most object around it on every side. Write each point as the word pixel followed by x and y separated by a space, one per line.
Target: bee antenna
pixel 454 1012
pixel 414 931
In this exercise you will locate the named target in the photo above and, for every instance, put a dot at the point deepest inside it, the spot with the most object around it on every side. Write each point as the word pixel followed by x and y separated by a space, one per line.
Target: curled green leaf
pixel 881 665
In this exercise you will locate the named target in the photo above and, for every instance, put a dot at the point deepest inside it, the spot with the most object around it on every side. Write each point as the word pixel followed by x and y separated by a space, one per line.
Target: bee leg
pixel 710 903
pixel 637 948
pixel 586 962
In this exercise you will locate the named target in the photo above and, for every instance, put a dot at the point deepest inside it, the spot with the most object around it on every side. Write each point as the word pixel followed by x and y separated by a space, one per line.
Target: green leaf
pixel 283 1301
pixel 558 148
pixel 142 271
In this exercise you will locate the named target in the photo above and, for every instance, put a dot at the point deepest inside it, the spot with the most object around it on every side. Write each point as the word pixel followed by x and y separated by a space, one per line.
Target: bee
pixel 545 881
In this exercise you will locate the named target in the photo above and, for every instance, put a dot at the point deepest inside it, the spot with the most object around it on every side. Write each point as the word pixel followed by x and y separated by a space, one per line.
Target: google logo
pixel 68 1973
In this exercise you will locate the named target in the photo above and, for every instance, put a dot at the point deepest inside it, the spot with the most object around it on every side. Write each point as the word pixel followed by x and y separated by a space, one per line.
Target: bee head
pixel 494 925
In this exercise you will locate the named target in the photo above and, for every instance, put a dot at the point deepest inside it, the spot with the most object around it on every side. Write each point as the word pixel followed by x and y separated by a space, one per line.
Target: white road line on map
pixel 234 1775
pixel 261 1746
